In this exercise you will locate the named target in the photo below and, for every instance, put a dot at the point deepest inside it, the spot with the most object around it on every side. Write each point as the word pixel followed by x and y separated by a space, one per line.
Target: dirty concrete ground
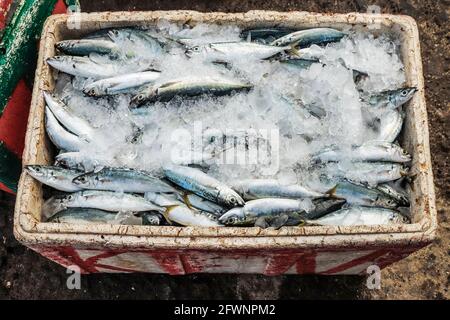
pixel 423 275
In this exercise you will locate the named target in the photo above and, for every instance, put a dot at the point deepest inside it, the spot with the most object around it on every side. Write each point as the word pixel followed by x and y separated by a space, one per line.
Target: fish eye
pixel 196 49
pixel 70 197
pixel 404 93
pixel 37 169
pixel 231 220
pixel 82 179
pixel 233 200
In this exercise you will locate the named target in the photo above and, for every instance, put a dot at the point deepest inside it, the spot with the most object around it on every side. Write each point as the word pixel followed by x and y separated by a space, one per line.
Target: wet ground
pixel 423 275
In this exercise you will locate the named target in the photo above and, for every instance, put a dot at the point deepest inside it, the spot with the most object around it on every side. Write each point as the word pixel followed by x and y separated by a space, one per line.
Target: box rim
pixel 27 230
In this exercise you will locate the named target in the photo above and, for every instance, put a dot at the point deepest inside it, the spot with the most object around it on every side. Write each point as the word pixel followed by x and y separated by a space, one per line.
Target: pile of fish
pixel 366 185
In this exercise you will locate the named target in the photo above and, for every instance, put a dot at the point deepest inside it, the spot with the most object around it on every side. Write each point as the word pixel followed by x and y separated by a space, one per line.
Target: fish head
pixel 402 154
pixel 233 217
pixel 401 96
pixel 233 199
pixel 64 45
pixel 143 96
pixel 152 219
pixel 91 91
pixel 57 61
pixel 193 51
pixel 399 218
pixel 38 171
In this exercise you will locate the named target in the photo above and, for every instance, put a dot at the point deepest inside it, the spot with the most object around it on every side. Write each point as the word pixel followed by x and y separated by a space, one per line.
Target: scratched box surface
pixel 180 250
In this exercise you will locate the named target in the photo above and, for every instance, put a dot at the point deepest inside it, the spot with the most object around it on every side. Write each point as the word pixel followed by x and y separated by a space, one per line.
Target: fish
pixel 321 207
pixel 84 216
pixel 359 215
pixel 263 34
pixel 188 217
pixel 194 201
pixel 84 47
pixel 61 138
pixel 67 118
pixel 152 219
pixel 302 63
pixel 122 179
pixel 88 67
pixel 390 126
pixel 268 207
pixel 370 172
pixel 121 84
pixel 106 200
pixel 178 212
pixel 270 188
pixel 81 162
pixel 188 87
pixel 369 151
pixel 203 185
pixel 55 177
pixel 361 195
pixel 399 196
pixel 391 99
pixel 88 216
pixel 305 38
pixel 299 62
pixel 229 51
pixel 141 41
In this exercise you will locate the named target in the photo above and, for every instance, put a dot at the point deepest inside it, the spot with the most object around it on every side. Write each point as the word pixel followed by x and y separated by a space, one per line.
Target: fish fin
pixel 166 213
pixel 261 222
pixel 280 221
pixel 98 169
pixel 186 200
pixel 293 50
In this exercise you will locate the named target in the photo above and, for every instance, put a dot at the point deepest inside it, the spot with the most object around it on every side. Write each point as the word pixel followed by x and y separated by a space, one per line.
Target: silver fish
pixel 96 216
pixel 369 151
pixel 86 46
pixel 61 138
pixel 269 188
pixel 79 161
pixel 188 87
pixel 361 195
pixel 120 84
pixel 371 172
pixel 122 179
pixel 55 177
pixel 193 201
pixel 359 215
pixel 203 185
pixel 188 217
pixel 177 211
pixel 305 38
pixel 390 126
pixel 399 196
pixel 84 216
pixel 107 200
pixel 268 207
pixel 141 42
pixel 67 118
pixel 88 67
pixel 228 51
pixel 391 99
